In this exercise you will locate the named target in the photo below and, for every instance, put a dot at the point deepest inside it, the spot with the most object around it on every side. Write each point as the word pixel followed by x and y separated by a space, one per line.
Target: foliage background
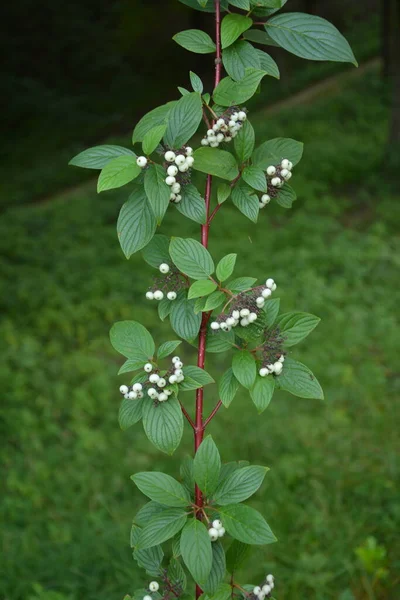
pixel 78 74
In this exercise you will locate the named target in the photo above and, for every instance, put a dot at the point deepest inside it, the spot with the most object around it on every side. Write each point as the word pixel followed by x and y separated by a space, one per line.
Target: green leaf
pixel 149 559
pixel 240 485
pixel 255 178
pixel 196 82
pixel 286 196
pixel 206 98
pixel 232 27
pixel 206 466
pixel 214 300
pixel 183 90
pixel 164 308
pixel 195 378
pixel 228 386
pixel 209 7
pixel 176 574
pixel 273 151
pixel 230 92
pixel 136 223
pixel 224 190
pixel 218 568
pixel 295 326
pixel 163 424
pixel 241 284
pixel 186 471
pixel 237 555
pixel 132 364
pixel 161 488
pixel 191 258
pixel 245 200
pixel 223 592
pixel 132 340
pixel 99 156
pixel 161 528
pixel 244 368
pixel 196 550
pixel 220 341
pixel 202 287
pixel 238 57
pixel 130 412
pixel 192 204
pixel 271 310
pixel 195 40
pixel 215 162
pixel 153 137
pixel 167 348
pixel 203 3
pixel 118 172
pixel 297 379
pixel 184 321
pixel 226 266
pixel 268 64
pixel 157 191
pixel 244 142
pixel 259 37
pixel 157 251
pixel 262 392
pixel 246 524
pixel 183 120
pixel 243 4
pixel 309 37
pixel 275 4
pixel 147 512
pixel 157 116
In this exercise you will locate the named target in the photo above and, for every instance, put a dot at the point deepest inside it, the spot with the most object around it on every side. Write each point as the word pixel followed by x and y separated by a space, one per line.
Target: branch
pixel 213 413
pixel 187 416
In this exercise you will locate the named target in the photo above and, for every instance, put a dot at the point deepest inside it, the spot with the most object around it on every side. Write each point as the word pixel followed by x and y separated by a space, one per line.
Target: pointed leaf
pixel 183 120
pixel 132 340
pixel 161 488
pixel 206 466
pixel 136 223
pixel 191 258
pixel 297 379
pixel 167 348
pixel 130 412
pixel 202 287
pixel 232 27
pixel 163 424
pixel 295 326
pixel 192 204
pixel 99 156
pixel 228 386
pixel 184 321
pixel 196 41
pixel 240 485
pixel 244 198
pixel 230 92
pixel 157 251
pixel 215 162
pixel 196 550
pixel 273 151
pixel 238 57
pixel 262 392
pixel 157 191
pixel 244 368
pixel 157 116
pixel 161 528
pixel 153 137
pixel 246 524
pixel 226 266
pixel 118 172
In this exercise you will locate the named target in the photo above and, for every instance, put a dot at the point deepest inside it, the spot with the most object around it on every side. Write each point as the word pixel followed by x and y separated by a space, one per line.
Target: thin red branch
pixel 184 411
pixel 213 413
pixel 214 212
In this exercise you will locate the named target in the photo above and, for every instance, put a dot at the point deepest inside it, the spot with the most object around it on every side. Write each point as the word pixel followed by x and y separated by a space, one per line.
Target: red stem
pixel 199 425
pixel 213 413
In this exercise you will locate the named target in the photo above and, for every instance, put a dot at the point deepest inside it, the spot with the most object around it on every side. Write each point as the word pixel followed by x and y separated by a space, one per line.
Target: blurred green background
pixel 82 73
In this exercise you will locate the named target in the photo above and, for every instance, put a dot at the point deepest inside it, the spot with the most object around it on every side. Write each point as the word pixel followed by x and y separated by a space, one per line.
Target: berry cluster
pixel 276 177
pixel 225 129
pixel 133 392
pixel 265 590
pixel 275 367
pixel 181 161
pixel 246 308
pixel 174 375
pixel 170 284
pixel 154 586
pixel 216 530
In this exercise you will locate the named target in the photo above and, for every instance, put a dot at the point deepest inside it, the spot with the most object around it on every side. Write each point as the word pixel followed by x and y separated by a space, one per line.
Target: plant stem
pixel 199 425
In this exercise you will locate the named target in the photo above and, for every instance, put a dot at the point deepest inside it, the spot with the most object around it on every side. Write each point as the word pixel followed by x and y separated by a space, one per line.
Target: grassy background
pixel 68 501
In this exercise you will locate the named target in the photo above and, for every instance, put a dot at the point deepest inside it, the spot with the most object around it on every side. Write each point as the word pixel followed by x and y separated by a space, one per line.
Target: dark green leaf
pixel 238 57
pixel 245 200
pixel 240 485
pixel 149 559
pixel 255 178
pixel 286 196
pixel 268 64
pixel 214 300
pixel 148 512
pixel 157 191
pixel 241 284
pixel 244 142
pixel 130 412
pixel 246 524
pixel 157 116
pixel 184 321
pixel 228 386
pixel 244 368
pixel 273 151
pixel 196 550
pixel 196 82
pixel 295 326
pixel 309 37
pixel 195 40
pixel 230 92
pixel 118 172
pixel 161 488
pixel 206 466
pixel 163 424
pixel 153 137
pixel 218 568
pixel 167 348
pixel 237 555
pixel 202 287
pixel 243 4
pixel 191 258
pixel 259 37
pixel 271 310
pixel 224 190
pixel 161 528
pixel 192 204
pixel 99 156
pixel 176 574
pixel 262 392
pixel 232 27
pixel 195 377
pixel 297 379
pixel 220 341
pixel 132 340
pixel 157 251
pixel 216 162
pixel 183 120
pixel 136 223
pixel 225 266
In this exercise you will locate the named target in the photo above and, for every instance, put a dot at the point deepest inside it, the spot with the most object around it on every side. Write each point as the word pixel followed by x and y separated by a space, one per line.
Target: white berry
pixel 154 378
pixel 164 268
pixel 260 301
pixel 123 389
pixel 244 312
pixel 244 322
pixel 141 161
pixel 278 367
pixel 137 387
pixel 290 166
pixel 173 379
pixel 235 314
pixel 172 170
pixel 161 382
pixel 190 161
pixel 204 142
pixel 270 578
pixel 180 159
pixel 178 364
pixel 176 188
pixel 282 358
pixel 266 589
pixel 274 287
pixel 252 317
pixel 154 586
pixel 170 180
pixel 214 325
pixel 132 395
pixel 242 116
pixel 171 295
pixel 158 295
pixel 271 170
pixel 288 176
pixel 148 367
pixel 269 283
pixel 221 122
pixel 265 199
pixel 162 397
pixel 285 163
pixel 266 293
pixel 178 372
pixel 169 156
pixel 263 372
pixel 221 532
pixel 175 359
pixel 152 393
pixel 149 295
pixel 217 524
pixel 147 597
pixel 213 533
pixel 256 590
pixel 189 151
pixel 275 181
pixel 230 321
